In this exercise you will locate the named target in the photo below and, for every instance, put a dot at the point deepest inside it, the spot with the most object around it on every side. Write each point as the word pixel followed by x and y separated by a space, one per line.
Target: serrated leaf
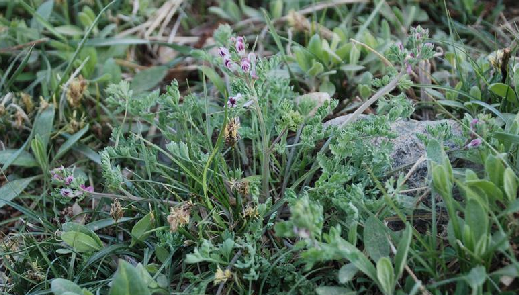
pixel 13 188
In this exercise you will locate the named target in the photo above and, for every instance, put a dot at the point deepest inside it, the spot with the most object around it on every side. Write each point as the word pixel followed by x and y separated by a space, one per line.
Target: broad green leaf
pixel 386 275
pixel 315 46
pixel 503 91
pixel 148 79
pixel 112 68
pixel 316 68
pixel 495 170
pixel 62 287
pixel 140 230
pixel 67 145
pixel 24 158
pixel 332 290
pixel 43 124
pixel 507 137
pixel 73 226
pixel 128 281
pixel 403 250
pixel 347 272
pixel 477 219
pixel 69 30
pixel 375 239
pixel 476 277
pixel 356 257
pixel 215 78
pixel 510 184
pixel 80 242
pixel 13 188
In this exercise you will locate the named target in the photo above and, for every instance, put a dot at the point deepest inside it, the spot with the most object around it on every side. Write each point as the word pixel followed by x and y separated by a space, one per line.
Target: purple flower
pixel 228 63
pixel 474 143
pixel 66 192
pixel 89 189
pixel 400 45
pixel 473 123
pixel 429 45
pixel 233 100
pixel 69 179
pixel 240 46
pixel 409 69
pixel 245 65
pixel 223 51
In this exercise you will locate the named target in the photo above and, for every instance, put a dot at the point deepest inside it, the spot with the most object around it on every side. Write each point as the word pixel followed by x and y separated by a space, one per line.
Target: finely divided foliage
pixel 138 161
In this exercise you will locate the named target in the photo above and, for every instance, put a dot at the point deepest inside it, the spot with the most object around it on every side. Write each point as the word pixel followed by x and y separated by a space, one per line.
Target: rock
pixel 407 148
pixel 318 98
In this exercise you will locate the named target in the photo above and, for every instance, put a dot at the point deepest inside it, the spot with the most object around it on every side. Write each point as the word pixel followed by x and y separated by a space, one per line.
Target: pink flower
pixel 223 51
pixel 228 63
pixel 245 65
pixel 474 143
pixel 69 179
pixel 240 46
pixel 473 123
pixel 89 189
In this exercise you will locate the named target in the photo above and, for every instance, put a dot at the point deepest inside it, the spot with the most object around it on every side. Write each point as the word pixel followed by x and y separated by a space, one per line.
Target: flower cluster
pixel 69 186
pixel 236 58
pixel 416 49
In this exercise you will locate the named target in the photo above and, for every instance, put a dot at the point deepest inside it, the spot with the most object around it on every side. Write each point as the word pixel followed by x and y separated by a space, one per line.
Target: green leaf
pixel 385 275
pixel 356 257
pixel 112 68
pixel 476 277
pixel 332 290
pixel 375 239
pixel 80 242
pixel 347 272
pixel 215 78
pixel 510 184
pixel 128 281
pixel 67 145
pixel 62 286
pixel 13 188
pixel 73 226
pixel 24 159
pixel 148 79
pixel 503 91
pixel 316 68
pixel 140 230
pixel 403 250
pixel 477 219
pixel 43 125
pixel 507 137
pixel 495 170
pixel 315 46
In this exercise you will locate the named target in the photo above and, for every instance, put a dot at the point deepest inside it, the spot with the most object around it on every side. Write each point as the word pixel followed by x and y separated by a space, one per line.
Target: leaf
pixel 148 79
pixel 375 240
pixel 70 142
pixel 43 125
pixel 24 158
pixel 80 242
pixel 477 219
pixel 403 250
pixel 385 275
pixel 503 91
pixel 62 286
pixel 332 290
pixel 476 277
pixel 140 229
pixel 435 93
pixel 315 46
pixel 13 188
pixel 356 257
pixel 507 137
pixel 215 78
pixel 113 69
pixel 73 226
pixel 347 272
pixel 495 170
pixel 510 184
pixel 127 281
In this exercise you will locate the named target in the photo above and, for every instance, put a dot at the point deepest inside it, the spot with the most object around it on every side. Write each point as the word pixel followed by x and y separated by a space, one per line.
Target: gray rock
pixel 407 148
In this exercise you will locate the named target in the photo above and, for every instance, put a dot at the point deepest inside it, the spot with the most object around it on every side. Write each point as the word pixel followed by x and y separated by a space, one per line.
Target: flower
pixel 409 69
pixel 222 276
pixel 179 216
pixel 233 100
pixel 66 192
pixel 223 51
pixel 473 123
pixel 245 65
pixel 89 189
pixel 69 179
pixel 400 45
pixel 240 45
pixel 474 143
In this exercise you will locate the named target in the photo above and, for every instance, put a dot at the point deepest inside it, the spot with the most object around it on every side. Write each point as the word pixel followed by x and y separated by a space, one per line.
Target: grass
pixel 145 148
